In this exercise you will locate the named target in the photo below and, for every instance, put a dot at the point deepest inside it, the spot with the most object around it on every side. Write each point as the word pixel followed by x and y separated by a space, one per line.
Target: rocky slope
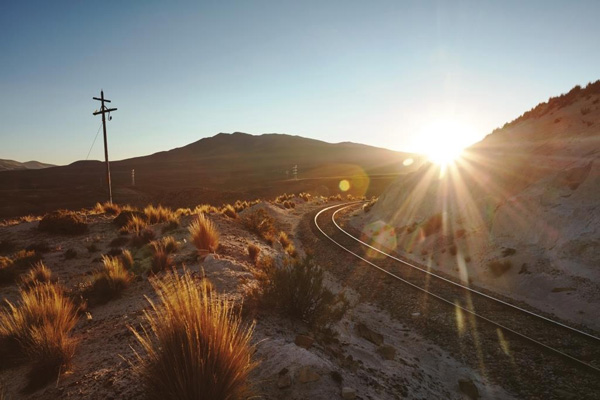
pixel 518 213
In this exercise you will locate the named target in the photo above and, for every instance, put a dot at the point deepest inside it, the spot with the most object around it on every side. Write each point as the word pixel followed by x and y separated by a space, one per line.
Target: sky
pixel 391 74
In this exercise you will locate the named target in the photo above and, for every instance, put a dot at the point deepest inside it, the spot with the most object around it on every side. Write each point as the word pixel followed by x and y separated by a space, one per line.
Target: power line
pixel 94 142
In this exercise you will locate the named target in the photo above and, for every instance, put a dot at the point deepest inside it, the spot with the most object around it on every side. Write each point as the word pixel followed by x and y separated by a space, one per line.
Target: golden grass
pixel 41 325
pixel 63 222
pixel 261 223
pixel 284 239
pixel 206 209
pixel 156 215
pixel 135 225
pixel 38 274
pixel 290 249
pixel 110 280
pixel 161 253
pixel 195 346
pixel 204 234
pixel 127 259
pixel 107 208
pixel 229 211
pixel 19 220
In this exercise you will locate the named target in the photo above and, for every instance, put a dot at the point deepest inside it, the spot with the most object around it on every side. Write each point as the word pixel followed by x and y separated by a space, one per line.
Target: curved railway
pixel 574 345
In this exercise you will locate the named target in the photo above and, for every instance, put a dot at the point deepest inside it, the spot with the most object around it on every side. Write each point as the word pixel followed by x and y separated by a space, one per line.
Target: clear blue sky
pixel 371 72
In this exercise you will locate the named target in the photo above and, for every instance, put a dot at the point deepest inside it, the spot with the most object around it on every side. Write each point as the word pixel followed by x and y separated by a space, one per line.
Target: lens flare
pixel 344 185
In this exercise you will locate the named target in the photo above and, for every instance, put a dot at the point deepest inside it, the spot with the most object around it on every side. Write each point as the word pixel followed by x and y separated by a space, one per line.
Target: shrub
pixel 38 274
pixel 161 253
pixel 11 267
pixel 260 223
pixel 498 268
pixel 127 260
pixel 155 215
pixel 296 290
pixel 107 208
pixel 135 225
pixel 110 280
pixel 291 250
pixel 204 234
pixel 40 325
pixel 284 239
pixel 195 346
pixel 142 237
pixel 253 252
pixel 63 222
pixel 367 207
pixel 125 216
pixel 7 270
pixel 229 211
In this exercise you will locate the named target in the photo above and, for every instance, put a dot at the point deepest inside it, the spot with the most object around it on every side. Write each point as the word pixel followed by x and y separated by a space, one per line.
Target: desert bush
pixel 229 211
pixel 183 212
pixel 143 237
pixel 260 223
pixel 63 222
pixel 40 325
pixel 433 224
pixel 127 260
pixel 25 258
pixel 161 253
pixel 7 270
pixel 204 234
pixel 296 290
pixel 107 208
pixel 305 196
pixel 11 267
pixel 194 345
pixel 38 274
pixel 498 268
pixel 135 224
pixel 253 252
pixel 290 249
pixel 367 207
pixel 125 216
pixel 110 280
pixel 156 215
pixel 284 239
pixel 206 209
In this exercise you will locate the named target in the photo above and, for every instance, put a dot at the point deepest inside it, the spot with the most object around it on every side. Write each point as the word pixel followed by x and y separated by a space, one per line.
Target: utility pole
pixel 104 110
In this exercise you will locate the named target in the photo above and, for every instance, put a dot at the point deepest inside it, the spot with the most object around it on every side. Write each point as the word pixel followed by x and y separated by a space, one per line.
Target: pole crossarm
pixel 104 110
pixel 101 99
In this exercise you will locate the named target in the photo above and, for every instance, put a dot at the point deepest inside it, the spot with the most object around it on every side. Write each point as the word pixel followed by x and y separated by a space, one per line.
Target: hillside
pixel 217 169
pixel 9 165
pixel 521 213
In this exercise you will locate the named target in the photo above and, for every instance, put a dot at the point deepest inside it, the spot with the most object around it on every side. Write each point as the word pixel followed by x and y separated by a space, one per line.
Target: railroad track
pixel 576 346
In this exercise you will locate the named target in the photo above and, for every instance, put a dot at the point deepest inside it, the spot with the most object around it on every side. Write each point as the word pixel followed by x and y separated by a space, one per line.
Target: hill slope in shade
pixel 8 165
pixel 221 168
pixel 519 213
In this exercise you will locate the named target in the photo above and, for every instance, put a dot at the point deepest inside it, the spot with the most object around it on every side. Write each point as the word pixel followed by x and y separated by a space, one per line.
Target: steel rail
pixel 444 300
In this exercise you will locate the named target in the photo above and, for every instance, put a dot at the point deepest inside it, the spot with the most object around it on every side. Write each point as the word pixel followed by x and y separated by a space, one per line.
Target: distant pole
pixel 133 177
pixel 295 172
pixel 104 110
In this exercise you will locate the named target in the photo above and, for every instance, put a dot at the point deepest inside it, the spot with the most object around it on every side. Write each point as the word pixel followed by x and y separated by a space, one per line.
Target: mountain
pixel 519 213
pixel 8 165
pixel 216 169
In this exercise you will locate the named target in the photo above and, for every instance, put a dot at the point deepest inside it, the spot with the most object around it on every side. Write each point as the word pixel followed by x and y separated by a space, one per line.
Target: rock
pixel 348 393
pixel 304 341
pixel 387 352
pixel 284 381
pixel 416 314
pixel 368 334
pixel 306 374
pixel 209 258
pixel 469 388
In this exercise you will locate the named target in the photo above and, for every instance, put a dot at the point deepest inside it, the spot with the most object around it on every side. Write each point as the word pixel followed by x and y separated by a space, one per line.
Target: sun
pixel 444 140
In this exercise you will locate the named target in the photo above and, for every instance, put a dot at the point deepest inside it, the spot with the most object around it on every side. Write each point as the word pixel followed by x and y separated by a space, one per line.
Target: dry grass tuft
pixel 253 252
pixel 204 234
pixel 156 215
pixel 205 209
pixel 296 290
pixel 127 260
pixel 261 223
pixel 107 208
pixel 161 253
pixel 110 280
pixel 284 239
pixel 40 324
pixel 38 274
pixel 135 224
pixel 11 267
pixel 195 346
pixel 229 211
pixel 63 222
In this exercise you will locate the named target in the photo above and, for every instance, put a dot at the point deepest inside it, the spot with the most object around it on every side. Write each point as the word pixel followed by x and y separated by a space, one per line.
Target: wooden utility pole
pixel 104 110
